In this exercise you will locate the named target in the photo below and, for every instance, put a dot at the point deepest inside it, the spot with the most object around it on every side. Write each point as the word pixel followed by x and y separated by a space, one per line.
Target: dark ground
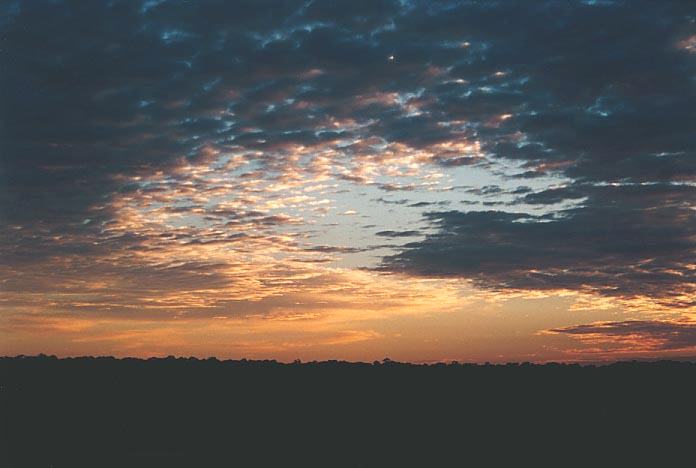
pixel 189 412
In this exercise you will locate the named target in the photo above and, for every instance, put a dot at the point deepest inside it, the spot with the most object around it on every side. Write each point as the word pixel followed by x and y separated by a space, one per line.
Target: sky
pixel 420 180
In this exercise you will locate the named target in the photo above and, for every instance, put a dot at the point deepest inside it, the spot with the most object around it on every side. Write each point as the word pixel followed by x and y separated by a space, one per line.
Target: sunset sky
pixel 423 180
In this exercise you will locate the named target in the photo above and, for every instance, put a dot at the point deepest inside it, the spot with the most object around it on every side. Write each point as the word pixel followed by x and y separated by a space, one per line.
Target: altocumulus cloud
pixel 604 95
pixel 96 97
pixel 624 240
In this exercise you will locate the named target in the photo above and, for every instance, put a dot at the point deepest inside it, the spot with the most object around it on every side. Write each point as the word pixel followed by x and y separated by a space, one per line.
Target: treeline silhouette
pixel 207 412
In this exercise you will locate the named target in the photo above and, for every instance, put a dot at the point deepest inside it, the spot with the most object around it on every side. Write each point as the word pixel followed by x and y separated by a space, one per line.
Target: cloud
pixel 398 233
pixel 637 335
pixel 154 146
pixel 618 126
pixel 624 241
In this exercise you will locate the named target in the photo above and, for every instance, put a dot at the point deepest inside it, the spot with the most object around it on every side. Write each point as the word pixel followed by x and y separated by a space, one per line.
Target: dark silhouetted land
pixel 191 412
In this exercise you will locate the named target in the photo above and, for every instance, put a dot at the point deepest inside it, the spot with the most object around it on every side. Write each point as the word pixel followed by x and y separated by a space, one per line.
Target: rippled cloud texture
pixel 427 180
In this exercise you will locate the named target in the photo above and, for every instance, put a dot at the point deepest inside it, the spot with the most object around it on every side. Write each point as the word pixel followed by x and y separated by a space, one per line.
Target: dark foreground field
pixel 189 412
